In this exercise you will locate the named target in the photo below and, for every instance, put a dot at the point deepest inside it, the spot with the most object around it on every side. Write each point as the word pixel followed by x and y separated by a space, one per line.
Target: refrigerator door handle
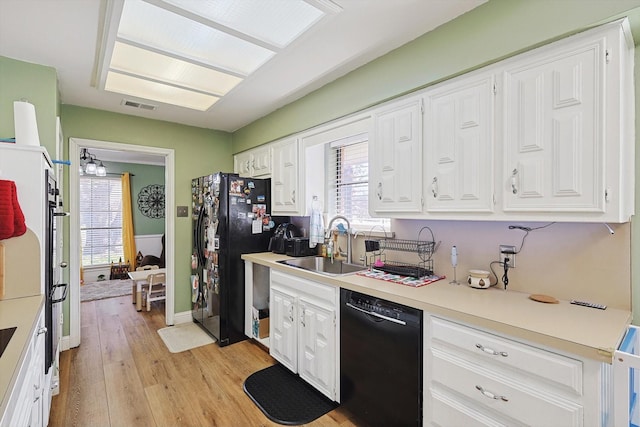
pixel 198 237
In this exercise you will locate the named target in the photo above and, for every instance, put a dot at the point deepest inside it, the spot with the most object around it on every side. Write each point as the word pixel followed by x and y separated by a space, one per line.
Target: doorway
pixel 75 145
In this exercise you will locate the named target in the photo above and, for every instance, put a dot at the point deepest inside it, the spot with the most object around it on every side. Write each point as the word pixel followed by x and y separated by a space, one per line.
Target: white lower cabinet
pixel 27 402
pixel 476 378
pixel 303 331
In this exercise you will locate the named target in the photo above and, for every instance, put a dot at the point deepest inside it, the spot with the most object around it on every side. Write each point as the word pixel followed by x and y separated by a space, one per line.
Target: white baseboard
pixel 183 317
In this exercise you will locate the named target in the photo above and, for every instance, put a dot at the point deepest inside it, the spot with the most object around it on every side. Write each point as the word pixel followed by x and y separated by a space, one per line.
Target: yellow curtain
pixel 128 236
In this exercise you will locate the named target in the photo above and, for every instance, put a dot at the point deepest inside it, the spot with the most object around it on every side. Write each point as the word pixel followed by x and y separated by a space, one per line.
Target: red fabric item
pixel 7 216
pixel 18 217
pixel 12 222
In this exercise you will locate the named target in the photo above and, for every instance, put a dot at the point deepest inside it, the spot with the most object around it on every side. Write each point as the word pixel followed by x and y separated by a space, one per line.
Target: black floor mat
pixel 285 398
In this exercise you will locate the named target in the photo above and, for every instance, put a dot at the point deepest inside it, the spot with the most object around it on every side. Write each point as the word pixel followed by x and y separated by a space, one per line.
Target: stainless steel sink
pixel 321 265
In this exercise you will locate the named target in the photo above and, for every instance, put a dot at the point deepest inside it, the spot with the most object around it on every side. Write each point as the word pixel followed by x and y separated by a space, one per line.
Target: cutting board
pixel 20 266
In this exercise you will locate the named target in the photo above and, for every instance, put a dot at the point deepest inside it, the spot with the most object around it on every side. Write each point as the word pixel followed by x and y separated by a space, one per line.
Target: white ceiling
pixel 67 35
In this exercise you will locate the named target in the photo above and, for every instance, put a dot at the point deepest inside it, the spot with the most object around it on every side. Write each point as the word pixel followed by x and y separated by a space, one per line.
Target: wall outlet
pixel 508 251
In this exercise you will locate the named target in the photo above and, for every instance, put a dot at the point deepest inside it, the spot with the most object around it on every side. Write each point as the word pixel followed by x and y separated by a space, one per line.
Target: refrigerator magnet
pixel 256 226
pixel 260 199
pixel 251 184
pixel 248 201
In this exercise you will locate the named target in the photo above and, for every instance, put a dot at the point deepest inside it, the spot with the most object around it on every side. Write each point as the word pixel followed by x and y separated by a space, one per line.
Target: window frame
pixel 111 255
pixel 315 144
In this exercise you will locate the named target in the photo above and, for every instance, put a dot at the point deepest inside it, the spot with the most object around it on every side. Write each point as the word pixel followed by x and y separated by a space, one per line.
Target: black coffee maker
pixel 283 233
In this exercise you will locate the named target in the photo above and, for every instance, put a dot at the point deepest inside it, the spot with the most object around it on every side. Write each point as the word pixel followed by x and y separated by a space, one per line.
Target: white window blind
pixel 101 220
pixel 349 182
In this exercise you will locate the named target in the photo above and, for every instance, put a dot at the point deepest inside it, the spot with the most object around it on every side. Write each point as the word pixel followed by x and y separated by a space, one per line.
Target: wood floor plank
pixel 123 375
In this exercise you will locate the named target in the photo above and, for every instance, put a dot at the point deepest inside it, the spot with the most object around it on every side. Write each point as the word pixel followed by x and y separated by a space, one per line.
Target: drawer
pixel 447 410
pixel 503 394
pixel 482 347
pixel 327 293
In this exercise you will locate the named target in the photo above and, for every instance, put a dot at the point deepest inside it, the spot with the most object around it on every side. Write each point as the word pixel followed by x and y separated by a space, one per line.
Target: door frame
pixel 74 230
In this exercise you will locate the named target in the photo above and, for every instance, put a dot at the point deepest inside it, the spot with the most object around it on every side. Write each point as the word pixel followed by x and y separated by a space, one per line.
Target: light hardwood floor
pixel 123 375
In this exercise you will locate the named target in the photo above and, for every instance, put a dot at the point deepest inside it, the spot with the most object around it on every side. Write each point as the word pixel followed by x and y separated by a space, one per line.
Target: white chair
pixel 142 282
pixel 155 290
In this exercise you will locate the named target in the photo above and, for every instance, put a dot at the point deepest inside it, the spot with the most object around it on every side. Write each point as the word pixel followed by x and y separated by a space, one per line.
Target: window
pixel 348 163
pixel 101 220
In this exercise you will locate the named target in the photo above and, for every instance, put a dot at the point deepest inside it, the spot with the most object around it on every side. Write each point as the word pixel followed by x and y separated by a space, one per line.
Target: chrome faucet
pixel 348 235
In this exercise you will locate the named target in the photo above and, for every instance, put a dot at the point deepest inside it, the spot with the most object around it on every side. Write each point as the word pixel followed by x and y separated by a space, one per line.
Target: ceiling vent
pixel 140 105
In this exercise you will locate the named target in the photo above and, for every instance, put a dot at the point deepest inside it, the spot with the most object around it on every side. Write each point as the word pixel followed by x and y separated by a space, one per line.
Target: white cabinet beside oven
pixel 477 378
pixel 302 330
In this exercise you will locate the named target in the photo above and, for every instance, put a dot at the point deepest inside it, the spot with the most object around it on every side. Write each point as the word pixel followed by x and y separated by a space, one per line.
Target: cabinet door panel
pixel 554 120
pixel 282 332
pixel 317 346
pixel 242 164
pixel 395 155
pixel 460 146
pixel 285 178
pixel 261 162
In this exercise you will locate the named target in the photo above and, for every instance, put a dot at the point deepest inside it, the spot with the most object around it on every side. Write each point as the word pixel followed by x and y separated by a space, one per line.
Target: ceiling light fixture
pixel 89 166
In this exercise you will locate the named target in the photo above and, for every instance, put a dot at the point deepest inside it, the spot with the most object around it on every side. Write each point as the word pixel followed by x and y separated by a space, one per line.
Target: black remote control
pixel 589 304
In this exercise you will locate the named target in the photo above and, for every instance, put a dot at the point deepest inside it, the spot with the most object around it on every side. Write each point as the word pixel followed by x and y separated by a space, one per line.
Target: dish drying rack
pixel 424 248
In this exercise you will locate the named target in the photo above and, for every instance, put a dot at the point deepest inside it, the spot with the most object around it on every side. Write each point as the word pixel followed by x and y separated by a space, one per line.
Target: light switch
pixel 183 211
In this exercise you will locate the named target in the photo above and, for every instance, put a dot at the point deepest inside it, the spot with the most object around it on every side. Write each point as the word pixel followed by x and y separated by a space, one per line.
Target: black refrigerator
pixel 230 217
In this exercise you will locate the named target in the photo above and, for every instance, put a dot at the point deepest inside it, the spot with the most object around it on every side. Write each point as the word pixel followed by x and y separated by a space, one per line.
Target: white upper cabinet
pixel 242 163
pixel 459 145
pixel 285 188
pixel 255 163
pixel 395 159
pixel 568 129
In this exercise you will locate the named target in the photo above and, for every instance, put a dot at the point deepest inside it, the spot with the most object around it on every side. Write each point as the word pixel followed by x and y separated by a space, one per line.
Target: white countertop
pixel 586 332
pixel 23 314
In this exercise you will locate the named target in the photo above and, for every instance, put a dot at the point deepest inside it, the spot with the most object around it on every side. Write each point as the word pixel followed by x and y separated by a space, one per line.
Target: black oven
pixel 53 306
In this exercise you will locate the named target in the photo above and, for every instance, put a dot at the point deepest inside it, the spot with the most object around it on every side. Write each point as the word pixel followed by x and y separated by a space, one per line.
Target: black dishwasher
pixel 380 360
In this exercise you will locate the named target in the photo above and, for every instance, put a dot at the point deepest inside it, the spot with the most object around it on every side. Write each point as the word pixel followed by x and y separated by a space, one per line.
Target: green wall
pixel 491 32
pixel 197 152
pixel 143 175
pixel 33 83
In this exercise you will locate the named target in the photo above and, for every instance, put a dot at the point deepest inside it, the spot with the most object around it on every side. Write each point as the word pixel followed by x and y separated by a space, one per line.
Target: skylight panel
pixel 144 63
pixel 148 25
pixel 277 22
pixel 129 85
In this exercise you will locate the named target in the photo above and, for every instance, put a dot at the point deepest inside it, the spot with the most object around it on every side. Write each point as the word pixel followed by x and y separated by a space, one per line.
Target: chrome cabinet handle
pixel 293 196
pixel 492 351
pixel 434 187
pixel 291 314
pixel 64 264
pixel 302 317
pixel 42 330
pixel 379 192
pixel 491 395
pixel 514 181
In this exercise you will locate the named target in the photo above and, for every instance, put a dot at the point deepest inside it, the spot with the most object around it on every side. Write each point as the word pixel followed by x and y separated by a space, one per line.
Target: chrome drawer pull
pixel 490 395
pixel 492 351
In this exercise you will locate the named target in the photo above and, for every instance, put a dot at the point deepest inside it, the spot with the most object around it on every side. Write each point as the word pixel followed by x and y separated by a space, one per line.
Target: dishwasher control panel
pixel 389 309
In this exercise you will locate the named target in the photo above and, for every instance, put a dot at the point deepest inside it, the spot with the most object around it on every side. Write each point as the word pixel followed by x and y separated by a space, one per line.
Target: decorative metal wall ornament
pixel 151 201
